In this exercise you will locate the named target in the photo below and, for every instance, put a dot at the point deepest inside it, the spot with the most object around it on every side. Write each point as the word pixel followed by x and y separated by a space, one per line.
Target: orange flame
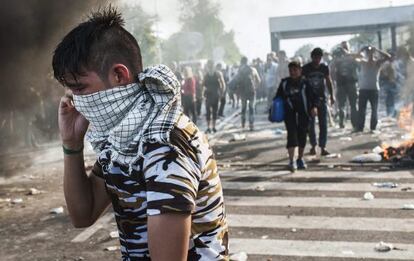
pixel 405 121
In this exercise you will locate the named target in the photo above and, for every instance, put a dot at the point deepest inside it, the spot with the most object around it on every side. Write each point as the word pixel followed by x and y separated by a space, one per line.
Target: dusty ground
pixel 30 232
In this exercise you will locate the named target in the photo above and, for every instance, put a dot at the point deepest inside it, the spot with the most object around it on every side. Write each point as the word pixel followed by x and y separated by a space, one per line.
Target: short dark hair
pixel 317 52
pixel 294 64
pixel 243 60
pixel 95 45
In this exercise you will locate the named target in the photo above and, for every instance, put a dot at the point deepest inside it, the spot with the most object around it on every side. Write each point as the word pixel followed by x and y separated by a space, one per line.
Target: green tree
pixel 202 16
pixel 361 40
pixel 304 51
pixel 141 25
pixel 410 41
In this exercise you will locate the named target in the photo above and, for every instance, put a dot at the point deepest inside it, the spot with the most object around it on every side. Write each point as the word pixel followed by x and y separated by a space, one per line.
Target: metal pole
pixel 393 38
pixel 274 42
pixel 379 35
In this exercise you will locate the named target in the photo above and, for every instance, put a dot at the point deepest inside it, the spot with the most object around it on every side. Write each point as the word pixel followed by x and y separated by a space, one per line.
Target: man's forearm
pixel 330 87
pixel 78 190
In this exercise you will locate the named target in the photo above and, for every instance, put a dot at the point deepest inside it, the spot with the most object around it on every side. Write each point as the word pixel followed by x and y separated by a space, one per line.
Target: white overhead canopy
pixel 338 23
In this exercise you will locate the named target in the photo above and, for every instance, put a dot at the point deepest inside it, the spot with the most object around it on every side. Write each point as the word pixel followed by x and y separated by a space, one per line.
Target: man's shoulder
pixel 324 67
pixel 307 66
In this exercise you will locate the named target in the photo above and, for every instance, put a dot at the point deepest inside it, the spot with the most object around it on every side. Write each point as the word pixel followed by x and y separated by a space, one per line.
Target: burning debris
pixel 403 151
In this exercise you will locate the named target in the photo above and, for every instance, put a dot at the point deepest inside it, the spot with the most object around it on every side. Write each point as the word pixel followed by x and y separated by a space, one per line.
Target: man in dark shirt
pixel 213 90
pixel 319 79
pixel 344 70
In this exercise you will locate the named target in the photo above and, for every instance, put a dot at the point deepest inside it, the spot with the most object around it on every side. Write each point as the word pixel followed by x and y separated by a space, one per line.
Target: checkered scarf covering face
pixel 124 118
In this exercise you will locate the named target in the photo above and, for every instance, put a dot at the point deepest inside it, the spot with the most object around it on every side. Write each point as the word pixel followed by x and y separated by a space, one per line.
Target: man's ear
pixel 119 74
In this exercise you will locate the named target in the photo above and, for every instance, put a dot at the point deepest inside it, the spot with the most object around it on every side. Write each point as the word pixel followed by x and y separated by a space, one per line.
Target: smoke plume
pixel 29 32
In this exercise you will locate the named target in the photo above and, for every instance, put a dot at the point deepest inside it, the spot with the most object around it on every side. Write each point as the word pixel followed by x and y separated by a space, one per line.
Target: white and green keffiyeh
pixel 124 118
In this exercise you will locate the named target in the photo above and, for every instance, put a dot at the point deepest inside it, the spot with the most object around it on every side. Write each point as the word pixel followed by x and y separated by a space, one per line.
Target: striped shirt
pixel 181 178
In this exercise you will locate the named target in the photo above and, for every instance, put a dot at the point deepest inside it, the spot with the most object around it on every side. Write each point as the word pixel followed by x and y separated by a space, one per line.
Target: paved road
pixel 318 215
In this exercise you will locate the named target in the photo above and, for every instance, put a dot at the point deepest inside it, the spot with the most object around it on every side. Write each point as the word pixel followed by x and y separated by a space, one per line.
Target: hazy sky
pixel 249 19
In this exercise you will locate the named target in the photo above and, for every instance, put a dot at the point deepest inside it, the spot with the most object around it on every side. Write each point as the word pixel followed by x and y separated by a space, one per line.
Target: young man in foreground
pixel 153 164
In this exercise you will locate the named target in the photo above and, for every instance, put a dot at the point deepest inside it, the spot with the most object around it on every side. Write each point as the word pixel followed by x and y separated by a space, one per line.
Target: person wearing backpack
pixel 214 85
pixel 344 71
pixel 300 104
pixel 247 80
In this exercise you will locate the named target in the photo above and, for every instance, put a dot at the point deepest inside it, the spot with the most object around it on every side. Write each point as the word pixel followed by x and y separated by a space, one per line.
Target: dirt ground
pixel 29 231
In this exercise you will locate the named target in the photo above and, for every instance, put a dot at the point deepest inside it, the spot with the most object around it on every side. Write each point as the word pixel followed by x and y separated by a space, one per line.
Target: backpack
pixel 246 82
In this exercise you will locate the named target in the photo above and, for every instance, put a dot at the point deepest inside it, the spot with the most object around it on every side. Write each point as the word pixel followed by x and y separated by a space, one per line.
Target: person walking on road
pixel 222 101
pixel 247 80
pixel 369 85
pixel 319 79
pixel 153 164
pixel 189 94
pixel 270 79
pixel 300 104
pixel 213 90
pixel 344 71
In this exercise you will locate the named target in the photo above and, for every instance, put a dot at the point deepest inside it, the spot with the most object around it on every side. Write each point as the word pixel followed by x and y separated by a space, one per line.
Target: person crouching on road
pixel 300 103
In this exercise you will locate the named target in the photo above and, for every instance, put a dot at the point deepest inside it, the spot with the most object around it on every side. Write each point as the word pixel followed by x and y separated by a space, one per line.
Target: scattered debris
pixel 365 158
pixel 265 237
pixel 333 156
pixel 56 211
pixel 259 188
pixel 348 252
pixel 346 168
pixel 345 139
pixel 34 191
pixel 114 234
pixel 280 131
pixel 237 137
pixel 368 196
pixel 375 133
pixel 385 184
pixel 80 258
pixel 331 166
pixel 406 189
pixel 378 149
pixel 384 247
pixel 408 207
pixel 112 248
pixel 293 230
pixel 17 201
pixel 5 200
pixel 17 190
pixel 241 256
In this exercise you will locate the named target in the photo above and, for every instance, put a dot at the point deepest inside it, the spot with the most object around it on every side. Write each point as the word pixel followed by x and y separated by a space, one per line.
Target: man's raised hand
pixel 72 124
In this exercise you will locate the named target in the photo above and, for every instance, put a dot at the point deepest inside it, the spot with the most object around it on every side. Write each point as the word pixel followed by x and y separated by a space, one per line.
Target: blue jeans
pixel 323 126
pixel 251 103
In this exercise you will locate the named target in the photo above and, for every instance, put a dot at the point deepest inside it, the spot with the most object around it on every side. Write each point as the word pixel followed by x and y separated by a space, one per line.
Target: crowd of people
pixel 342 83
pixel 154 165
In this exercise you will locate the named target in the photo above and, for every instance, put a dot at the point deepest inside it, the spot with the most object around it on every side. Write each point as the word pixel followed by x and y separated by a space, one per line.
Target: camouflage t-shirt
pixel 167 180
